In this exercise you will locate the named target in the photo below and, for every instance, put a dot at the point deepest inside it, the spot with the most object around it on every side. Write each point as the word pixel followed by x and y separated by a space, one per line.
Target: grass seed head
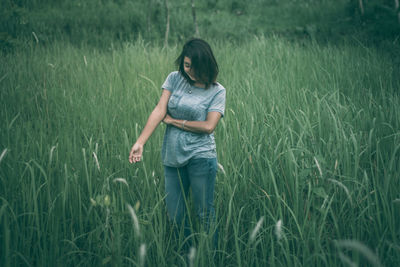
pixel 142 254
pixel 137 205
pixel 134 218
pixel 221 168
pixel 256 229
pixel 93 202
pixel 121 180
pixel 278 229
pixel 318 166
pixel 192 256
pixel 107 200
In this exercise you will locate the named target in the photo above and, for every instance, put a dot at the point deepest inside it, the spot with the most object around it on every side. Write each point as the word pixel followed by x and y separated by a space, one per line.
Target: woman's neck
pixel 201 85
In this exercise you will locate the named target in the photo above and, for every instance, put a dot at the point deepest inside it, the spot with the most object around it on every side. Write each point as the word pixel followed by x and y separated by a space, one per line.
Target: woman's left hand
pixel 167 119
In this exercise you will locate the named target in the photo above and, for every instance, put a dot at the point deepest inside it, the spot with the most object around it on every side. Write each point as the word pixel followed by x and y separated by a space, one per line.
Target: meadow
pixel 308 150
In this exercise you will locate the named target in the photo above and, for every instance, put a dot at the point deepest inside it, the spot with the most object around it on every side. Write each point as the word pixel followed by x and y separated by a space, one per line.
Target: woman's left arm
pixel 206 126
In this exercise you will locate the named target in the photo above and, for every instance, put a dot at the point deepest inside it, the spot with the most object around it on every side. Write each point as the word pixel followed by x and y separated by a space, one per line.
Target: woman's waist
pixel 189 116
pixel 186 137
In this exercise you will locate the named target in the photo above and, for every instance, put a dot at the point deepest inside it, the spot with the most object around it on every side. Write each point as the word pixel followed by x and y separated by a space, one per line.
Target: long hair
pixel 204 65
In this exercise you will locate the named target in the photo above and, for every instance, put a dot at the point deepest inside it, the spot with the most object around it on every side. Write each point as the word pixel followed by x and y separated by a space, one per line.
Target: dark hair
pixel 204 65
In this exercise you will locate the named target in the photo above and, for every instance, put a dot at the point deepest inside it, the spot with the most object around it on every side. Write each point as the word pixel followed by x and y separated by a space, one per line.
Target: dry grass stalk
pixel 3 154
pixel 97 161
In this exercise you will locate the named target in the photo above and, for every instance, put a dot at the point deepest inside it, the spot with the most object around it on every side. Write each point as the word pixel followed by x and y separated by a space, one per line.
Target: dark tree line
pixel 163 21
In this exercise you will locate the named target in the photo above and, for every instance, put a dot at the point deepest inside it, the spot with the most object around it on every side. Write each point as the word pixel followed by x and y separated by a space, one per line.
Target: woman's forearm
pixel 156 116
pixel 152 122
pixel 193 126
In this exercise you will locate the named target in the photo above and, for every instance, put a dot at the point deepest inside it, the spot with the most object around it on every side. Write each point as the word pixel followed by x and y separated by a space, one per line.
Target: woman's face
pixel 187 66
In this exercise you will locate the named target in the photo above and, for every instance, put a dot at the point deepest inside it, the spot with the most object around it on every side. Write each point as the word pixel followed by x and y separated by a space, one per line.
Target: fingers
pixel 135 155
pixel 134 158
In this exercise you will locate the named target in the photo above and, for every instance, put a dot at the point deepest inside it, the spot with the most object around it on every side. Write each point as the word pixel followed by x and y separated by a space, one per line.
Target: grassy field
pixel 308 151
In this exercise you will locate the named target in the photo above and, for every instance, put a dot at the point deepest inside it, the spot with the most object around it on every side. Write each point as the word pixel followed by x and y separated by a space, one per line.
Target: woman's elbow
pixel 160 111
pixel 209 129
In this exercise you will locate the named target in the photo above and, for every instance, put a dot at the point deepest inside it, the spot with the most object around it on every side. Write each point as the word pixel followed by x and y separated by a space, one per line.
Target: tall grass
pixel 308 152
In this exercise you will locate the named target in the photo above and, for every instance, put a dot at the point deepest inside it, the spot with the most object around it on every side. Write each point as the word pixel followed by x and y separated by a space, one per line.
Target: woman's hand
pixel 167 119
pixel 136 153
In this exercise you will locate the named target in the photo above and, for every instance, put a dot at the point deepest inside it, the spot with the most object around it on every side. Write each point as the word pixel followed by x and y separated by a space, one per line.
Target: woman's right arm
pixel 156 116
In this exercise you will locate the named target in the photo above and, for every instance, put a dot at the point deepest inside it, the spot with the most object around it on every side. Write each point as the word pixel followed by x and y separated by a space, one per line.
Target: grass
pixel 309 145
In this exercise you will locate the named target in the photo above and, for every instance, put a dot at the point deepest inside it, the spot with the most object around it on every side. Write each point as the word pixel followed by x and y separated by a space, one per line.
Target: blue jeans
pixel 199 175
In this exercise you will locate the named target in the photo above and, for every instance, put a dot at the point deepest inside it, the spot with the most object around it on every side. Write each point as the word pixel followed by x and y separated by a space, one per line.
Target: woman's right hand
pixel 136 153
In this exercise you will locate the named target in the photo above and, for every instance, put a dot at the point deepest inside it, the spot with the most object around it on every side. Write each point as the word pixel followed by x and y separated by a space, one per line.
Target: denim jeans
pixel 199 175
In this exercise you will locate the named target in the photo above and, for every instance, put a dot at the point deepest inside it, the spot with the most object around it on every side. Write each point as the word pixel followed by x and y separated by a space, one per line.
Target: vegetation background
pixel 102 22
pixel 309 149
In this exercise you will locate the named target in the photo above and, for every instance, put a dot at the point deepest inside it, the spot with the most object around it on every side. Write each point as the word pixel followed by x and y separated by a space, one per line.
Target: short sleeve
pixel 218 102
pixel 169 82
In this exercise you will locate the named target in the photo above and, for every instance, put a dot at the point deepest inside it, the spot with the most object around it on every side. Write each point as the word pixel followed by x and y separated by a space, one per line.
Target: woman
pixel 191 104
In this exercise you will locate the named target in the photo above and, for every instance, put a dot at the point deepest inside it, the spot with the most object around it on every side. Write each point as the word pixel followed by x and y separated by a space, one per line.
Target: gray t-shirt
pixel 191 103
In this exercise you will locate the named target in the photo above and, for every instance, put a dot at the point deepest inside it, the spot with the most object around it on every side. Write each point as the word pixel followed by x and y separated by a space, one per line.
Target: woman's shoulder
pixel 173 79
pixel 218 87
pixel 175 75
